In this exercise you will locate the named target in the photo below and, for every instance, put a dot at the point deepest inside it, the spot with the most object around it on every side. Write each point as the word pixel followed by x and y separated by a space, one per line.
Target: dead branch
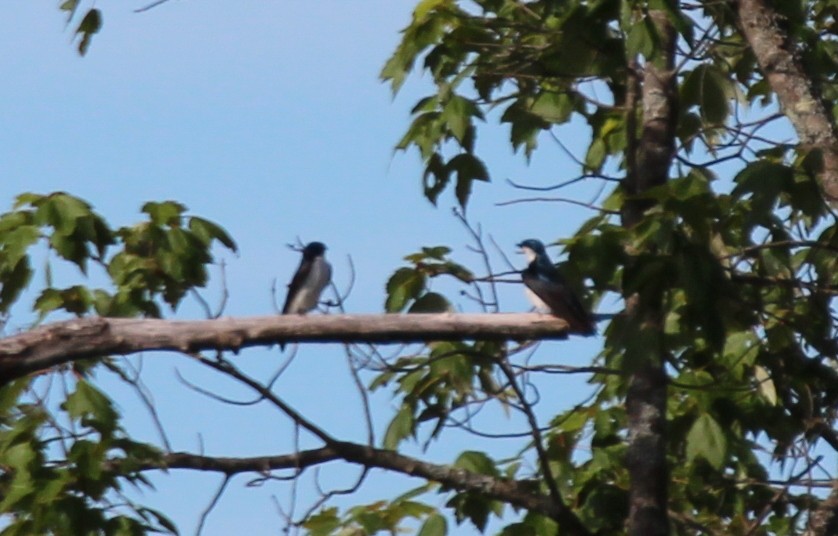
pixel 62 342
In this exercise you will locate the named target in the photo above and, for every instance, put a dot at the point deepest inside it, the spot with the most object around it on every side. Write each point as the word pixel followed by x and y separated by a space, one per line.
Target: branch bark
pixel 517 493
pixel 796 90
pixel 63 342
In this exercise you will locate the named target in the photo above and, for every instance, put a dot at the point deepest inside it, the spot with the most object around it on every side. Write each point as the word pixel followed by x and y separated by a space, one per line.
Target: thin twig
pixel 538 441
pixel 557 200
pixel 212 504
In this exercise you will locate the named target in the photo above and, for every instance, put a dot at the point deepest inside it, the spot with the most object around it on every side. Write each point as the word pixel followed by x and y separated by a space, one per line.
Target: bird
pixel 312 276
pixel 549 292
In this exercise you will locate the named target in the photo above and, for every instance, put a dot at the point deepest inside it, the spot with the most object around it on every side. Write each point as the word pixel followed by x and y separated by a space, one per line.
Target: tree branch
pixel 63 342
pixel 795 89
pixel 517 493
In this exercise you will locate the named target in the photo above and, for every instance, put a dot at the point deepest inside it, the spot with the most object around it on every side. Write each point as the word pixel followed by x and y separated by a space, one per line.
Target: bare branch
pixel 62 342
pixel 538 442
pixel 493 305
pixel 548 188
pixel 557 200
pixel 214 501
pixel 516 493
pixel 150 6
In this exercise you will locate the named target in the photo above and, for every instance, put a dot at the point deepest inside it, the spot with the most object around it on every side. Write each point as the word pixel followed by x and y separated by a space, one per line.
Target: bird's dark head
pixel 532 248
pixel 314 249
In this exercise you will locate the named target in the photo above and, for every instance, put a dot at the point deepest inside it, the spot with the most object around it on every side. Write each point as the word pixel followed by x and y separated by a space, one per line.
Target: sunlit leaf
pixel 765 385
pixel 400 428
pixel 706 439
pixel 476 462
pixel 402 287
pixel 435 525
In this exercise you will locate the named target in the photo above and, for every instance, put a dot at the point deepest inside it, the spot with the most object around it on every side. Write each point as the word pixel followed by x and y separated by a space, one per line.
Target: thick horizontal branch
pixel 62 342
pixel 513 492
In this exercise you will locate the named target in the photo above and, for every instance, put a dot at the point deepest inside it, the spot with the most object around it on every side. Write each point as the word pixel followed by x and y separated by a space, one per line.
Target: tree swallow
pixel 313 275
pixel 549 292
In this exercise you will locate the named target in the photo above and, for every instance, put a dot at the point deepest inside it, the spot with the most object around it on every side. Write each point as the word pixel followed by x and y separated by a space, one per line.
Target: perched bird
pixel 313 275
pixel 549 292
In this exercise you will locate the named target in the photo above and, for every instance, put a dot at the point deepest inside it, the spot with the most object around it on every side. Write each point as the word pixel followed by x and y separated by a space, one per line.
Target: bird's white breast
pixel 309 293
pixel 537 302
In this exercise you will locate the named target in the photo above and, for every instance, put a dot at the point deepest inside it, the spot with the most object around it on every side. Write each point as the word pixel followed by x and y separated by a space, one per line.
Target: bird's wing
pixel 562 301
pixel 296 282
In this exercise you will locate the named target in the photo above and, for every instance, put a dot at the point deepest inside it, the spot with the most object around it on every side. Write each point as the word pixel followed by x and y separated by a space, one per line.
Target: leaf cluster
pixel 158 259
pixel 69 480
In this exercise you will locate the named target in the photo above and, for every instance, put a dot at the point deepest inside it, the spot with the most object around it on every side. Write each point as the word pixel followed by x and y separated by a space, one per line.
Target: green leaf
pixel 49 300
pixel 474 507
pixel 709 89
pixel 596 154
pixel 437 252
pixel 402 287
pixel 468 168
pixel 765 385
pixel 764 181
pixel 425 132
pixel 70 248
pixel 207 231
pixel 438 172
pixel 9 397
pixel 541 525
pixel 89 25
pixel 641 39
pixel 606 507
pixel 76 299
pixel 706 440
pixel 457 114
pixel 15 280
pixel 164 213
pixel 323 523
pixel 399 428
pixel 553 107
pixel 92 407
pixel 430 302
pixel 70 7
pixel 27 198
pixel 425 7
pixel 160 518
pixel 63 212
pixel 477 462
pixel 435 525
pixel 15 242
pixel 524 126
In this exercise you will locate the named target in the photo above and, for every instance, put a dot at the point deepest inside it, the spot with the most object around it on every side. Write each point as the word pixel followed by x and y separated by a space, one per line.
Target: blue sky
pixel 267 117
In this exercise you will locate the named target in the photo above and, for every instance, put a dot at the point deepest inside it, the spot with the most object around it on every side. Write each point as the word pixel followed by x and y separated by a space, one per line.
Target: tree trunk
pixel 647 391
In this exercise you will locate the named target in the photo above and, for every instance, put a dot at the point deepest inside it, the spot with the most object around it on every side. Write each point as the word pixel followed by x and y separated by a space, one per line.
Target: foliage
pixel 64 467
pixel 735 255
pixel 45 494
pixel 408 286
pixel 89 24
pixel 739 249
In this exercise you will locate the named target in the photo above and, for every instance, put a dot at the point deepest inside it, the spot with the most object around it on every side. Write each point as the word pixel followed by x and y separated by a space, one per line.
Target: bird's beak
pixel 520 250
